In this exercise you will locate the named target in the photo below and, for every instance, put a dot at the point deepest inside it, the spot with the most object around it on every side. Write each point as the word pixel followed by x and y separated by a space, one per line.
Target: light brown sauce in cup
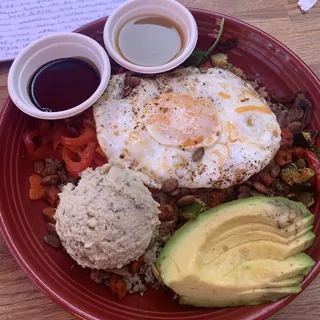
pixel 150 41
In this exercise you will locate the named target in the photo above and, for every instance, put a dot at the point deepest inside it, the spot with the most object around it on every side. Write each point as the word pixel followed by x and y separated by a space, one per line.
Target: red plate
pixel 23 226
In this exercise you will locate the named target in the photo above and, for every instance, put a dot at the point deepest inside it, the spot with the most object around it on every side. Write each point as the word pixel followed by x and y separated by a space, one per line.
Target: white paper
pixel 23 21
pixel 306 5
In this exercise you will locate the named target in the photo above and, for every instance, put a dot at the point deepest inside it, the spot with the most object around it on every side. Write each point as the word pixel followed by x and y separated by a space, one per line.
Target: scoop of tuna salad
pixel 108 219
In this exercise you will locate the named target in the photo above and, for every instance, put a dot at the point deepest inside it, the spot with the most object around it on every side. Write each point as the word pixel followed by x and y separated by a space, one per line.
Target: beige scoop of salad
pixel 108 219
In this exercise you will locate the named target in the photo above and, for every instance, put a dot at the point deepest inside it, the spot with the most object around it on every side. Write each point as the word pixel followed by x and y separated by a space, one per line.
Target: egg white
pixel 157 128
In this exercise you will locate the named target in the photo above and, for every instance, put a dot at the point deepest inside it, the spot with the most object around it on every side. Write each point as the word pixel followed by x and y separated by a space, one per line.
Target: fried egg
pixel 158 127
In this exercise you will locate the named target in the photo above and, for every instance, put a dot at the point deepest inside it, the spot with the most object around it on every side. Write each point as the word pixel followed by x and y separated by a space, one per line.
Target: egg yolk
pixel 183 121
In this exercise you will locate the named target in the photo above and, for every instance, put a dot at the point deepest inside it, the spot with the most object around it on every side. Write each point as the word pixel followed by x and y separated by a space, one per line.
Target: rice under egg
pixel 157 128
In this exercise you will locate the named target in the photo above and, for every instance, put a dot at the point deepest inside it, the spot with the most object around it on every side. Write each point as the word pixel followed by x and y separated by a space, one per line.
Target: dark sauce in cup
pixel 62 84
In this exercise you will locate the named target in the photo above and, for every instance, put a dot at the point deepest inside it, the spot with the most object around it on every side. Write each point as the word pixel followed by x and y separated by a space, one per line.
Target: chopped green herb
pixel 198 56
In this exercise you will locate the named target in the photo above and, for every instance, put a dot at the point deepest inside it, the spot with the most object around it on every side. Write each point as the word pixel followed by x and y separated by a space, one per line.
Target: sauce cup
pixel 62 45
pixel 170 9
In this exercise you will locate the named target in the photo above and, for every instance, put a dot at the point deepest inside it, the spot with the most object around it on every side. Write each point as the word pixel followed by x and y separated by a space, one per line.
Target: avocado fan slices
pixel 244 252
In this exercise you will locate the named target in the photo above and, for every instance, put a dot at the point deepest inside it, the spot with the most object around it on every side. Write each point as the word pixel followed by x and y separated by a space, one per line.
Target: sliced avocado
pixel 241 246
pixel 259 273
pixel 250 297
pixel 250 248
pixel 295 281
pixel 249 275
pixel 287 235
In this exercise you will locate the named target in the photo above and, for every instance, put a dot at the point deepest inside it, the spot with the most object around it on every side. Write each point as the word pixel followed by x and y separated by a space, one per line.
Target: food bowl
pixel 70 286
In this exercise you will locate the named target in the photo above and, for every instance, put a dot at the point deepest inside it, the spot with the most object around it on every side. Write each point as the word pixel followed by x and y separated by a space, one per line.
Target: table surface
pixel 21 299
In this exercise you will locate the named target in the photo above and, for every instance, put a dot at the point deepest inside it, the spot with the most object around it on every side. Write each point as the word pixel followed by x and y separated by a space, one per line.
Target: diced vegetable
pixel 306 174
pixel 135 265
pixel 118 287
pixel 283 157
pixel 266 178
pixel 290 175
pixel 49 213
pixel 305 139
pixel 220 60
pixel 313 162
pixel 51 195
pixel 37 190
pixel 167 212
pixel 286 134
pixel 191 211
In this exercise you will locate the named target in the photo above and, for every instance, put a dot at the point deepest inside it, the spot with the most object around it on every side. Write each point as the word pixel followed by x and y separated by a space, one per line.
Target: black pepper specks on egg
pixel 178 82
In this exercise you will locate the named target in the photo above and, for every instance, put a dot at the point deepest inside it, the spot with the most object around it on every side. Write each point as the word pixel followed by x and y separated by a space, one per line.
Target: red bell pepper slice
pixel 86 136
pixel 101 153
pixel 35 154
pixel 75 167
pixel 59 131
pixel 99 161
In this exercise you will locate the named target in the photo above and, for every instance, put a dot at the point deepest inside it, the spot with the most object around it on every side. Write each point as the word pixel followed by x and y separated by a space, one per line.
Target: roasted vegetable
pixel 48 214
pixel 192 210
pixel 290 175
pixel 286 134
pixel 220 60
pixel 283 157
pixel 306 174
pixel 266 178
pixel 306 198
pixel 52 195
pixel 118 287
pixel 37 190
pixel 305 139
pixel 135 265
pixel 312 160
